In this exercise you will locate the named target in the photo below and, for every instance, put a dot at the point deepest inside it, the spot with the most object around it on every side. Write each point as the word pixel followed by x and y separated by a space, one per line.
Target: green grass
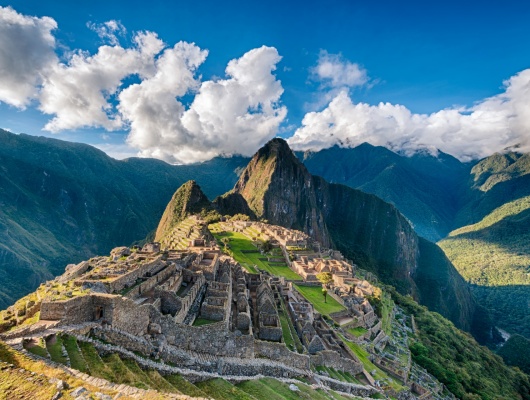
pixel 358 331
pixel 77 360
pixel 38 348
pixel 95 364
pixel 363 355
pixel 203 321
pixel 220 389
pixel 271 389
pixel 239 243
pixel 287 335
pixel 184 386
pixel 121 373
pixel 143 381
pixel 56 350
pixel 314 295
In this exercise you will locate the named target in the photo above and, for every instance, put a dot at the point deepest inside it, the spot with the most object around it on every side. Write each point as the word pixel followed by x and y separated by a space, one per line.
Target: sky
pixel 187 81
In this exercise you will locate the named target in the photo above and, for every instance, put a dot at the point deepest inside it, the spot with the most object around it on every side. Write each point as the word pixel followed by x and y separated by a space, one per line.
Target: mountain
pixel 278 188
pixel 492 248
pixel 63 202
pixel 188 199
pixel 425 188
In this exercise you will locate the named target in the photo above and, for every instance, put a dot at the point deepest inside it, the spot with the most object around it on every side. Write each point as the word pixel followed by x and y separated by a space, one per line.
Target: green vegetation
pixel 220 389
pixel 55 349
pixel 246 253
pixel 358 331
pixel 77 361
pixel 496 250
pixel 516 352
pixel 184 386
pixel 38 347
pixel 202 321
pixel 271 389
pixel 313 294
pixel 95 364
pixel 363 356
pixel 469 370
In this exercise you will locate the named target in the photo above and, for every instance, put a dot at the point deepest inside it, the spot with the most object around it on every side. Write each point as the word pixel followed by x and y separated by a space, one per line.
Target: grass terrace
pixel 358 331
pixel 203 321
pixel 247 254
pixel 314 295
pixel 363 356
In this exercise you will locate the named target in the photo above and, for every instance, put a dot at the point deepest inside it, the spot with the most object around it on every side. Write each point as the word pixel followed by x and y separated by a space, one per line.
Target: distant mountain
pixel 63 202
pixel 277 187
pixel 492 250
pixel 426 189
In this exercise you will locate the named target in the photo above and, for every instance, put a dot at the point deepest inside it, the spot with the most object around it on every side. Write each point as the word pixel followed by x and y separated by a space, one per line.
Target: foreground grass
pixel 314 295
pixel 271 389
pixel 220 389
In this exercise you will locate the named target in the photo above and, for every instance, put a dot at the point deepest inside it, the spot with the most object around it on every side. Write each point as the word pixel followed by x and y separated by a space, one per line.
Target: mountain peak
pixel 188 199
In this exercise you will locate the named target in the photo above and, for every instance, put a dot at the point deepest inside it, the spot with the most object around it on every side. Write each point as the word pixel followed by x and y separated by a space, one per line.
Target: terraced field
pixel 245 253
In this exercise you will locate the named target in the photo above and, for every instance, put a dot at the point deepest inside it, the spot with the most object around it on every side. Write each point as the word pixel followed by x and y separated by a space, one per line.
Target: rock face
pixel 277 187
pixel 188 199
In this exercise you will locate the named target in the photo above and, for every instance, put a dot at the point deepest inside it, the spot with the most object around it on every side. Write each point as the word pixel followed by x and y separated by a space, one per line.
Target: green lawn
pixel 203 321
pixel 239 243
pixel 314 295
pixel 359 331
pixel 271 389
pixel 55 348
pixel 74 354
pixel 220 389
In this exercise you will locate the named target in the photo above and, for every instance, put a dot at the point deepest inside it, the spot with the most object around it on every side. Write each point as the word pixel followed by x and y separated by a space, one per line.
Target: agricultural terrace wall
pixel 211 339
pixel 279 352
pixel 332 359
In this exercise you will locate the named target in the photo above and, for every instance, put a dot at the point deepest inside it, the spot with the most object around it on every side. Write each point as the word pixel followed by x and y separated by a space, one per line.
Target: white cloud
pixel 227 116
pixel 108 31
pixel 489 126
pixel 27 52
pixel 334 71
pixel 78 93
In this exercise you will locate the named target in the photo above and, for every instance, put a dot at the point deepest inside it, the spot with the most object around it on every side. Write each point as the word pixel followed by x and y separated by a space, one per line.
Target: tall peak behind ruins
pixel 276 187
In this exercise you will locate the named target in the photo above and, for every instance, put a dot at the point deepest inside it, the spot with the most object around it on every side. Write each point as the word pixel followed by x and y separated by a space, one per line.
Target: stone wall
pixel 130 278
pixel 211 339
pixel 188 300
pixel 171 303
pixel 279 352
pixel 120 312
pixel 332 359
pixel 151 282
pixel 74 311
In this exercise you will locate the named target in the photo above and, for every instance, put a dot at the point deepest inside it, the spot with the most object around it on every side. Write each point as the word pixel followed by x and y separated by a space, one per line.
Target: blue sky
pixel 426 56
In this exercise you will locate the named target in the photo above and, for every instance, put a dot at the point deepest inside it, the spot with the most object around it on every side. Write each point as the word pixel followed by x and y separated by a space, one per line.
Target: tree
pixel 325 294
pixel 325 277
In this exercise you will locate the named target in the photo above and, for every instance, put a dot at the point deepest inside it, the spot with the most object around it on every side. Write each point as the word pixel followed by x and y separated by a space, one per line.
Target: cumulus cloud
pixel 233 115
pixel 334 71
pixel 108 31
pixel 489 126
pixel 78 92
pixel 27 52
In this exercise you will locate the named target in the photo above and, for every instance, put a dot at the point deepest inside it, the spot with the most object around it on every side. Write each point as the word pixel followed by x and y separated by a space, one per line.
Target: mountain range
pixel 63 202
